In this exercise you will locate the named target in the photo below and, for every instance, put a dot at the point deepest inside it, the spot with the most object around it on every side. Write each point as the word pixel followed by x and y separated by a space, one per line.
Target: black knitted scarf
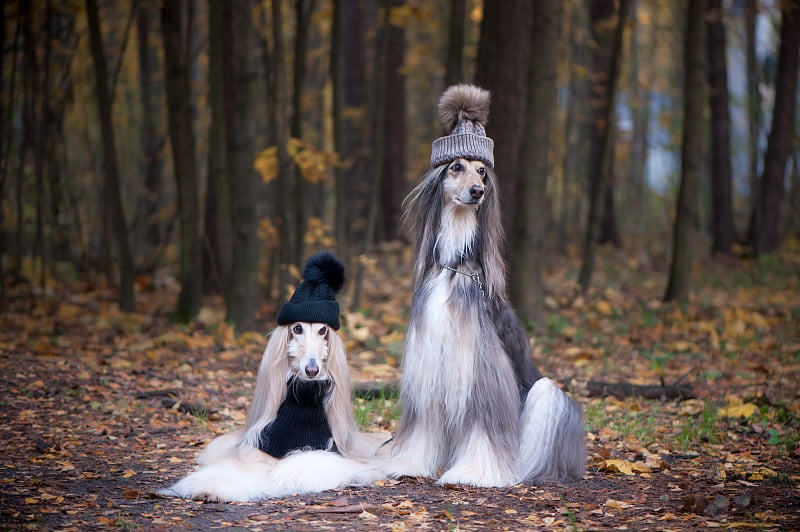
pixel 301 422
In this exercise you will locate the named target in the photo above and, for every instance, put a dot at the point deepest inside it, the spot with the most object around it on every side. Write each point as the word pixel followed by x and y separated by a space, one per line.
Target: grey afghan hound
pixel 474 405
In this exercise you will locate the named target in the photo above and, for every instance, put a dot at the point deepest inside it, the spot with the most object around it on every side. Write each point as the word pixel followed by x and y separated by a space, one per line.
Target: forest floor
pixel 101 408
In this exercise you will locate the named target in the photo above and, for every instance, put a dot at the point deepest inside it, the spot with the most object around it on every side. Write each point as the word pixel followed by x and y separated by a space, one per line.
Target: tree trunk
pixel 723 232
pixel 454 64
pixel 609 232
pixel 380 74
pixel 575 154
pixel 337 82
pixel 179 114
pixel 303 11
pixel 527 263
pixel 288 204
pixel 640 81
pixel 151 140
pixel 110 169
pixel 243 178
pixel 392 164
pixel 686 219
pixel 753 102
pixel 350 103
pixel 502 66
pixel 7 86
pixel 217 250
pixel 766 236
pixel 606 60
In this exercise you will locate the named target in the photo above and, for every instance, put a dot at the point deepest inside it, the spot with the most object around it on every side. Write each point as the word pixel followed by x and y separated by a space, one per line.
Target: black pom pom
pixel 324 267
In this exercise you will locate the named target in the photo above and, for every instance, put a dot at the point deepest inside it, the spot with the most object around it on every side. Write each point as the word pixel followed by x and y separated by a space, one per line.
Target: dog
pixel 300 434
pixel 474 405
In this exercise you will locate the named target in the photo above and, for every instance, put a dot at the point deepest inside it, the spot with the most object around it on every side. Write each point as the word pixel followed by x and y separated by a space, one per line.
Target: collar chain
pixel 476 278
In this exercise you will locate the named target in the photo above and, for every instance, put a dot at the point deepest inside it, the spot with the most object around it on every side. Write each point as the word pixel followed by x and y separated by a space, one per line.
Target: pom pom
pixel 463 102
pixel 324 267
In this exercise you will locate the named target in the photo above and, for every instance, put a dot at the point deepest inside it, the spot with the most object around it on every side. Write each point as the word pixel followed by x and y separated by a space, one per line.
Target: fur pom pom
pixel 463 102
pixel 325 267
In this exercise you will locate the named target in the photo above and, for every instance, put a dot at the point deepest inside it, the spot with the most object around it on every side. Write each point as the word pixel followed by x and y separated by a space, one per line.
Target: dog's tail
pixel 553 446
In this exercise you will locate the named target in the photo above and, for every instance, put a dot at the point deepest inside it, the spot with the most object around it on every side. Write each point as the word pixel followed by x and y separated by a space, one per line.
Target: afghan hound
pixel 474 405
pixel 300 435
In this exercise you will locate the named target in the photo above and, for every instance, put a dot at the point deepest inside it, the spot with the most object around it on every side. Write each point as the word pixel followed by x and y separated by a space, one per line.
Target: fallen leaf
pixel 624 466
pixel 618 505
pixel 738 410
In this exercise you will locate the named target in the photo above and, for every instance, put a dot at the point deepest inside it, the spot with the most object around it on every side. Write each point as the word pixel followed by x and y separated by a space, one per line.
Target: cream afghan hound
pixel 300 435
pixel 475 409
pixel 234 468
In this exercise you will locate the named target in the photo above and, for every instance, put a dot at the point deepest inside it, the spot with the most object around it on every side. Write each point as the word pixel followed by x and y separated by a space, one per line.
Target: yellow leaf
pixel 128 473
pixel 266 163
pixel 621 466
pixel 604 308
pixel 624 466
pixel 738 410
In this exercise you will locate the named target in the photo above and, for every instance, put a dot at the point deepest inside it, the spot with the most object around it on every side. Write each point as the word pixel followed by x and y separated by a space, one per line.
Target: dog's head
pixel 464 183
pixel 308 350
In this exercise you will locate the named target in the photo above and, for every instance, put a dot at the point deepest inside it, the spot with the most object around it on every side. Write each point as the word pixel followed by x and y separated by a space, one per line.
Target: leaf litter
pixel 101 408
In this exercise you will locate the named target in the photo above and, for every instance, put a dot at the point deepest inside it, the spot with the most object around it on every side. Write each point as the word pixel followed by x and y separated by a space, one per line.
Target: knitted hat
pixel 463 110
pixel 314 300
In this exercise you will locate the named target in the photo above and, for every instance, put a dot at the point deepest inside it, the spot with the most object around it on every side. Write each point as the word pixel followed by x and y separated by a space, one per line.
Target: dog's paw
pixel 396 467
pixel 487 478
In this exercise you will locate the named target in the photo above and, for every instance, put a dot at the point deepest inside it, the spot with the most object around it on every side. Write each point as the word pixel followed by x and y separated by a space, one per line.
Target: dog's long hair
pixel 427 222
pixel 270 391
pixel 469 403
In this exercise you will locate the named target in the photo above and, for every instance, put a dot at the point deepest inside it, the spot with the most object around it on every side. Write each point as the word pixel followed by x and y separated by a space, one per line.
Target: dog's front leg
pixel 417 454
pixel 478 461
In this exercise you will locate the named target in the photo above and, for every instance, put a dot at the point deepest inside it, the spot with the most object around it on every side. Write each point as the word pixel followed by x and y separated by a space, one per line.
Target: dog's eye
pixel 297 329
pixel 482 171
pixel 457 167
pixel 323 331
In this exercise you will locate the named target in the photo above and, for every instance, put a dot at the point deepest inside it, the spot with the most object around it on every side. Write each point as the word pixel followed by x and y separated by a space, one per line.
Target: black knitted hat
pixel 314 300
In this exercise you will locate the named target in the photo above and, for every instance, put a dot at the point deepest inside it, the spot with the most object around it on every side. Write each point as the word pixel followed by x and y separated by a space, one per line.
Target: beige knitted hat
pixel 464 110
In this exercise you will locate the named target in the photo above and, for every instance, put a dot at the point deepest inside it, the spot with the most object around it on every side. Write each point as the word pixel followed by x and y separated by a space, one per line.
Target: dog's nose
pixel 312 370
pixel 476 191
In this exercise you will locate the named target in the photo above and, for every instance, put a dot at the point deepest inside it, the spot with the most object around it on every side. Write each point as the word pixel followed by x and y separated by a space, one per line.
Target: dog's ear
pixel 339 405
pixel 492 238
pixel 270 390
pixel 337 365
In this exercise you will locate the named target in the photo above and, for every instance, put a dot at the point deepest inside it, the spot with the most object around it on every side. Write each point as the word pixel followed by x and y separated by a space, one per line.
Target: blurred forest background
pixel 218 144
